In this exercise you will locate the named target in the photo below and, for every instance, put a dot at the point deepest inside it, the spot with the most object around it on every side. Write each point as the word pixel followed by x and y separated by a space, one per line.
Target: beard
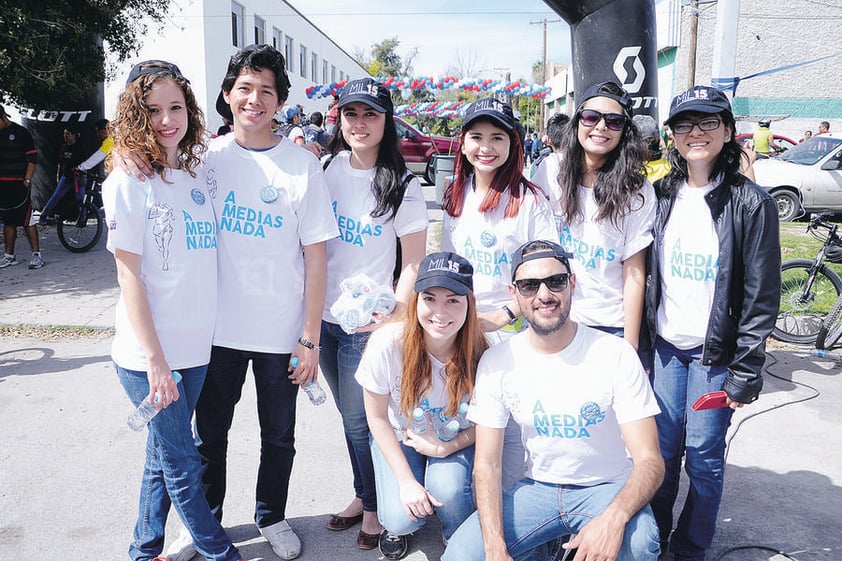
pixel 551 324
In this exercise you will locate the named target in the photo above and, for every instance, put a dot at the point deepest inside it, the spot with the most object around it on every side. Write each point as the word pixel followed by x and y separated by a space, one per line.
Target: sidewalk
pixel 70 469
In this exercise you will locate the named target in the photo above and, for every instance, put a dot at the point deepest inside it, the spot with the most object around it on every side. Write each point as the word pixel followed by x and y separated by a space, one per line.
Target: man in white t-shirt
pixel 586 413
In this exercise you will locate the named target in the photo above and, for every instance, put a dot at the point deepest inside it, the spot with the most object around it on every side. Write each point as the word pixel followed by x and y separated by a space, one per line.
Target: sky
pixel 495 35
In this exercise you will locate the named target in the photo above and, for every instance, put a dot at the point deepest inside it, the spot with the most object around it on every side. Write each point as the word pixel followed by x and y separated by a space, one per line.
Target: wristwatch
pixel 511 314
pixel 308 344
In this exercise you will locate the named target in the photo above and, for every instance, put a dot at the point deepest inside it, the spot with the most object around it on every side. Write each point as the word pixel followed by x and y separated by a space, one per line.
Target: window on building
pixel 332 73
pixel 288 46
pixel 325 72
pixel 259 30
pixel 237 16
pixel 314 66
pixel 277 39
pixel 302 61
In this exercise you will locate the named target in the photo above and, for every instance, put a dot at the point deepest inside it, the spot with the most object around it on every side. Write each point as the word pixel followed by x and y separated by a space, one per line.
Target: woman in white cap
pixel 378 205
pixel 712 297
pixel 426 362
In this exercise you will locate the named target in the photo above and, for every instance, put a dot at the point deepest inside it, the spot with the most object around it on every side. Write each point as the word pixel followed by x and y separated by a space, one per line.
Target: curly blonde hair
pixel 132 129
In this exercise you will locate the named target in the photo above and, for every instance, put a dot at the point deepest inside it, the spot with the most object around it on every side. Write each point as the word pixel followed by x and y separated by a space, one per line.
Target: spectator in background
pixel 315 132
pixel 70 156
pixel 536 146
pixel 332 115
pixel 546 167
pixel 527 148
pixel 764 140
pixel 656 166
pixel 807 136
pixel 824 128
pixel 292 127
pixel 227 126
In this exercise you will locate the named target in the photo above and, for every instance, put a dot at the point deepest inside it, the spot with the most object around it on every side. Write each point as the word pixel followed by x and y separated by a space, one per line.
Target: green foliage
pixel 51 50
pixel 530 113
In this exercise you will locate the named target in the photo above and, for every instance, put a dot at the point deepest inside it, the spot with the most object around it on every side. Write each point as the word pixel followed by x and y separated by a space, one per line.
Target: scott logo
pixel 49 116
pixel 620 69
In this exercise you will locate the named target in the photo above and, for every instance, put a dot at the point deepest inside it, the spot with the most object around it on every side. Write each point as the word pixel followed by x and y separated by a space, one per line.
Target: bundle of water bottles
pixel 360 299
pixel 445 427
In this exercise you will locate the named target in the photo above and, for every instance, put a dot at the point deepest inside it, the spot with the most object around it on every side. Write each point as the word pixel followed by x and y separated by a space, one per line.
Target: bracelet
pixel 27 180
pixel 309 344
pixel 511 314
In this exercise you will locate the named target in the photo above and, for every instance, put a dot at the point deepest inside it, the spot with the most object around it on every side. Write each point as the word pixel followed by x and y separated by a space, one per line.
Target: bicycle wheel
pixel 831 328
pixel 79 235
pixel 801 314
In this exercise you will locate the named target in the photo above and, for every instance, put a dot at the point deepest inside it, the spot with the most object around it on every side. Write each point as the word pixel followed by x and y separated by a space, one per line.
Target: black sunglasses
pixel 590 117
pixel 555 283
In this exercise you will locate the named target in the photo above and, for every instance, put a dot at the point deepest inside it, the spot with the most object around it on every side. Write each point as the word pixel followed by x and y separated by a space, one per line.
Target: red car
pixel 784 142
pixel 418 148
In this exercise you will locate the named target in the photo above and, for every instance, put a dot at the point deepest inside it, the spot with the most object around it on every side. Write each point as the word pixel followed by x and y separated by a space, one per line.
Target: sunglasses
pixel 684 127
pixel 590 117
pixel 555 283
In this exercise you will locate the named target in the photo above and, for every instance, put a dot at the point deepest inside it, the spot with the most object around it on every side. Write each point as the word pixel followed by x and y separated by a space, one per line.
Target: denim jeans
pixel 536 514
pixel 172 473
pixel 338 361
pixel 448 479
pixel 679 379
pixel 276 399
pixel 63 186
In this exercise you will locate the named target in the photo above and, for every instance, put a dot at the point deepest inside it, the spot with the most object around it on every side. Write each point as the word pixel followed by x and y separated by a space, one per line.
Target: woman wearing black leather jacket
pixel 712 293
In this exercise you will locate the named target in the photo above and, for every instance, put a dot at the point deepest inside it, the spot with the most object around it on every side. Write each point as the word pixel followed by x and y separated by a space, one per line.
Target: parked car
pixel 807 177
pixel 747 139
pixel 418 149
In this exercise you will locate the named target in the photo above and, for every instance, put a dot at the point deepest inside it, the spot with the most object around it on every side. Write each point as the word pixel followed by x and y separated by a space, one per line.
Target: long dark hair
pixel 728 161
pixel 508 177
pixel 618 182
pixel 388 185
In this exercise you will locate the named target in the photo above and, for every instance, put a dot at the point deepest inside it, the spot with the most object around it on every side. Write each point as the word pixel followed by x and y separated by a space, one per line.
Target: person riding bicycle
pixel 764 140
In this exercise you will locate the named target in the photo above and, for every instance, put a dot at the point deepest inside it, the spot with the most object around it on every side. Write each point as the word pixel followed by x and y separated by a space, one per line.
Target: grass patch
pixel 797 243
pixel 52 332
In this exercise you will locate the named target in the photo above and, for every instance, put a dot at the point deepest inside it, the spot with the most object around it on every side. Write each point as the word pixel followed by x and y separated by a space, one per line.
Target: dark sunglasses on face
pixel 530 287
pixel 684 127
pixel 590 117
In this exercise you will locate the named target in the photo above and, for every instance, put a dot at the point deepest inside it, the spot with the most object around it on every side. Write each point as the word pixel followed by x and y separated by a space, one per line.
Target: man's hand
pixel 133 163
pixel 599 540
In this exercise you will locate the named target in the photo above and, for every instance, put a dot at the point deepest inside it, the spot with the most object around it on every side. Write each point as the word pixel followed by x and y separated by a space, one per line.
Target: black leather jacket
pixel 748 284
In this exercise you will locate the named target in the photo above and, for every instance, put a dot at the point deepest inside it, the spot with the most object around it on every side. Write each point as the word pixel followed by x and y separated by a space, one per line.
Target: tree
pixel 466 64
pixel 51 50
pixel 384 59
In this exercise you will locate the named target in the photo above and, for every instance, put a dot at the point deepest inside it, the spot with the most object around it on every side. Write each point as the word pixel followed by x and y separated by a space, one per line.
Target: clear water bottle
pixel 462 417
pixel 313 390
pixel 419 421
pixel 449 430
pixel 141 416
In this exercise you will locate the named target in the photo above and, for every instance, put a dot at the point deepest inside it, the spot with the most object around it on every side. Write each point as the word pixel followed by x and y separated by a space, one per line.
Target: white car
pixel 807 177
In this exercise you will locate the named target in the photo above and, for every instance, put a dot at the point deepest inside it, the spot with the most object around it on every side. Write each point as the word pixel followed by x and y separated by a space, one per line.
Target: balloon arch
pixel 447 109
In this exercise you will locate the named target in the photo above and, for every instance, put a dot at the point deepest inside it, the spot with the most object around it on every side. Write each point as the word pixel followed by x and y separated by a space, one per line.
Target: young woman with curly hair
pixel 606 209
pixel 163 238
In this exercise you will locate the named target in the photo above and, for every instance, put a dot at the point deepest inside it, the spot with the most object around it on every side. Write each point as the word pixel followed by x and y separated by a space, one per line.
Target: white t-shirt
pixel 365 244
pixel 380 372
pixel 569 405
pixel 172 227
pixel 599 250
pixel 269 204
pixel 546 177
pixel 489 240
pixel 689 263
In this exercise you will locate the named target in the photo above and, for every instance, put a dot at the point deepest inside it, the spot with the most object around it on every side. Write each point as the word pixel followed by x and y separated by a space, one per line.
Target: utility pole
pixel 692 40
pixel 544 22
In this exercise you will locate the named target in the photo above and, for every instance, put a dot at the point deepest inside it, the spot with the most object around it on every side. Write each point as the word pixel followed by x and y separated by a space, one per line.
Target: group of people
pixel 568 325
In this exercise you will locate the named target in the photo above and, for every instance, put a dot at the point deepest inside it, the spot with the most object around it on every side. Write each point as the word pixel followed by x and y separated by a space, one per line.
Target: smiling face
pixel 168 116
pixel 441 313
pixel 701 147
pixel 362 127
pixel 254 101
pixel 598 141
pixel 547 312
pixel 486 146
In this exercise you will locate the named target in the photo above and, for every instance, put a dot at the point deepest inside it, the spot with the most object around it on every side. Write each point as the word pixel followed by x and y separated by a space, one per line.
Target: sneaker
pixel 392 546
pixel 283 540
pixel 182 548
pixel 37 261
pixel 7 261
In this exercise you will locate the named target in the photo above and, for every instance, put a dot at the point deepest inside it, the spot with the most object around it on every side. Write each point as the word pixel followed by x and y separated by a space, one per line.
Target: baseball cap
pixel 368 91
pixel 153 67
pixel 500 112
pixel 646 125
pixel 446 270
pixel 700 99
pixel 544 250
pixel 611 90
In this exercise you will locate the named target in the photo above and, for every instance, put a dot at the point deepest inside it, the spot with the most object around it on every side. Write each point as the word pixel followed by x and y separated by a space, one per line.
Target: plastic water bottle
pixel 449 430
pixel 462 417
pixel 313 390
pixel 419 421
pixel 141 416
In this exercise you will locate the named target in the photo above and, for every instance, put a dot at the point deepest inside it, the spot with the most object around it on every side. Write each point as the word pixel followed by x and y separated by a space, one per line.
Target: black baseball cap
pixel 498 111
pixel 154 67
pixel 611 90
pixel 446 270
pixel 368 91
pixel 540 249
pixel 699 99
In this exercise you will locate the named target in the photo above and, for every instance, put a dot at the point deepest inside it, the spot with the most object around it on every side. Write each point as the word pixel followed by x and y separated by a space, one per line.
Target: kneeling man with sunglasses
pixel 586 413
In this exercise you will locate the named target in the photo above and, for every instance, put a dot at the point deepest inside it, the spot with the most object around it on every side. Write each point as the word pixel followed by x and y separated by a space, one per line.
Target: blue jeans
pixel 679 379
pixel 536 514
pixel 172 473
pixel 276 399
pixel 338 361
pixel 447 479
pixel 64 185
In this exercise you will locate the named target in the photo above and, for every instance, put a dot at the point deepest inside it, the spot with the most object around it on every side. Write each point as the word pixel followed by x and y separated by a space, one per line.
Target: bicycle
pixel 80 229
pixel 809 289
